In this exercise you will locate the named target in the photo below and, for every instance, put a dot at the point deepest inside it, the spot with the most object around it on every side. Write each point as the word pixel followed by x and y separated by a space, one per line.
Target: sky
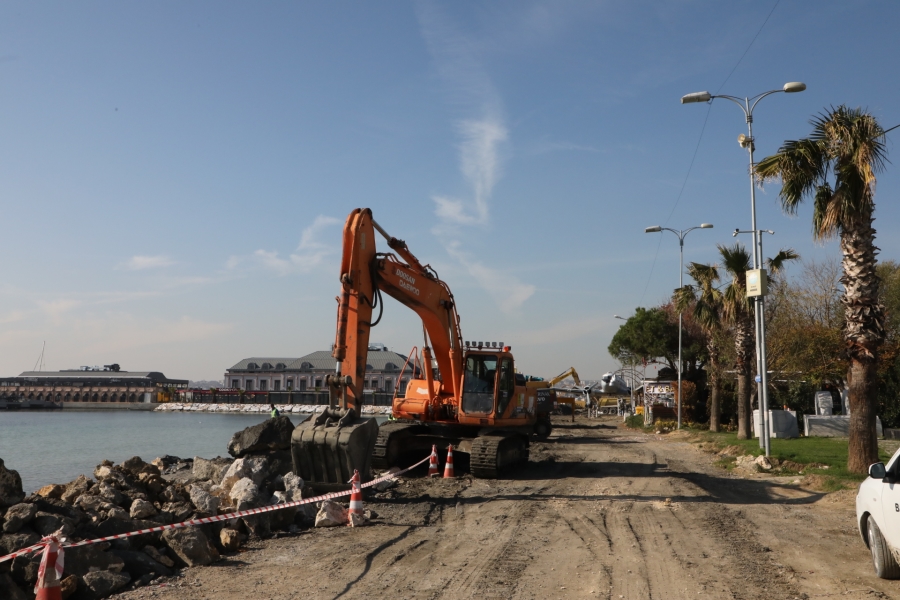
pixel 174 176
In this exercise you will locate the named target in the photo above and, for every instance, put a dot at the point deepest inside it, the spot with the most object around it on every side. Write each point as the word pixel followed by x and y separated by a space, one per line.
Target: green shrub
pixel 635 421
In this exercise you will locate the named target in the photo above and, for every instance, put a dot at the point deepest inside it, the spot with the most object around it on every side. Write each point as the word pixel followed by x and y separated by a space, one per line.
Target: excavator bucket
pixel 328 448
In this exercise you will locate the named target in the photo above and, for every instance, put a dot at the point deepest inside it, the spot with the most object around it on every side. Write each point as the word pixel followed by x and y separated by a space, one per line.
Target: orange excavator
pixel 471 395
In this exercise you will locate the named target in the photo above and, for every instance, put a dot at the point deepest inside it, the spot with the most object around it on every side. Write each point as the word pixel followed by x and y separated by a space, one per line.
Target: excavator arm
pixel 562 376
pixel 328 449
pixel 364 275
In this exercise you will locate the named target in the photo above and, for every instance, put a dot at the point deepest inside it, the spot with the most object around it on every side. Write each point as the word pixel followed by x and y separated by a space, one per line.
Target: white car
pixel 878 516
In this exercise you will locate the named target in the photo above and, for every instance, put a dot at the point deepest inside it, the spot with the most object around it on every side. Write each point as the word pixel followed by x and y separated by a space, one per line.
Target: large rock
pixel 17 516
pixel 230 539
pixel 47 523
pixel 136 466
pixel 141 509
pixel 293 484
pixel 9 590
pixel 76 488
pixel 139 563
pixel 84 559
pixel 205 502
pixel 331 514
pixel 245 494
pixel 11 542
pixel 10 486
pixel 158 556
pixel 191 546
pixel 54 490
pixel 104 583
pixel 112 527
pixel 211 469
pixel 272 434
pixel 252 467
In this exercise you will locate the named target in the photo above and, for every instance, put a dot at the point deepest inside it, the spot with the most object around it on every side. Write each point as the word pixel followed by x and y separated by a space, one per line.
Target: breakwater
pixel 285 409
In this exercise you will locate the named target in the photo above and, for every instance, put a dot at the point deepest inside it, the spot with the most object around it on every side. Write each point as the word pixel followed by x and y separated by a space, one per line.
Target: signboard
pixel 757 283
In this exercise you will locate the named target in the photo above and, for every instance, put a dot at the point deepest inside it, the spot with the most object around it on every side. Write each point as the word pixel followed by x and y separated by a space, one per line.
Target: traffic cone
pixel 448 468
pixel 356 501
pixel 433 463
pixel 50 571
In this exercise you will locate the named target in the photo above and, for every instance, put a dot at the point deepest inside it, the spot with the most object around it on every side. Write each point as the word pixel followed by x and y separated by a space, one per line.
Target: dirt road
pixel 599 512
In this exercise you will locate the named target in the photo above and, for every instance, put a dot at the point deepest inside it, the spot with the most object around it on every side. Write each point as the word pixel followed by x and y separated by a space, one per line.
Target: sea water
pixel 56 446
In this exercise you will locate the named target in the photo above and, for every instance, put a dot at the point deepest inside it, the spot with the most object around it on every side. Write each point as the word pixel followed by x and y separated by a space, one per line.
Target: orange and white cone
pixel 356 501
pixel 448 468
pixel 433 462
pixel 50 571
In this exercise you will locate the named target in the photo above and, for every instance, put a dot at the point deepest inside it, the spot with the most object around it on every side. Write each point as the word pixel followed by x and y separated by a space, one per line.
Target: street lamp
pixel 747 105
pixel 681 233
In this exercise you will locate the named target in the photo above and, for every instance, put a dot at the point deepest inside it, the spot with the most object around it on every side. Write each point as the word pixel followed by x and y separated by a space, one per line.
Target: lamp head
pixel 706 225
pixel 794 86
pixel 654 229
pixel 697 97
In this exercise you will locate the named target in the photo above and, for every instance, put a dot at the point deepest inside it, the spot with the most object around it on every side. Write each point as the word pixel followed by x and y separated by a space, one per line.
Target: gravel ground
pixel 599 512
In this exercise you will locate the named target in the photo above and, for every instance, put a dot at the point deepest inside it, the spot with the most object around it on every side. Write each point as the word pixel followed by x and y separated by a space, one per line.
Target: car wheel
pixel 886 565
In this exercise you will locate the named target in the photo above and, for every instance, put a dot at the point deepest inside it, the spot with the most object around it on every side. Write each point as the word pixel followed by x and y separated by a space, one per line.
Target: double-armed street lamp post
pixel 747 105
pixel 681 233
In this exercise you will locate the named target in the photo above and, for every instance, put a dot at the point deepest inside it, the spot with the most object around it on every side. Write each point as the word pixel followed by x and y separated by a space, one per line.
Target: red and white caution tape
pixel 50 571
pixel 215 519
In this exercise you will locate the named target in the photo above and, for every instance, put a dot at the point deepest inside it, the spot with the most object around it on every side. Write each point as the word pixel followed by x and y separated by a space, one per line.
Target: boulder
pixel 54 490
pixel 117 512
pixel 230 539
pixel 763 463
pixel 252 467
pixel 104 583
pixel 68 586
pixel 331 514
pixel 191 546
pixel 103 470
pixel 139 563
pixel 111 494
pixel 112 527
pixel 11 542
pixel 84 559
pixel 10 486
pixel 141 509
pixel 76 488
pixel 205 502
pixel 46 523
pixel 158 556
pixel 245 494
pixel 164 462
pixel 17 516
pixel 136 466
pixel 211 469
pixel 272 434
pixel 292 486
pixel 180 511
pixel 9 590
pixel 58 507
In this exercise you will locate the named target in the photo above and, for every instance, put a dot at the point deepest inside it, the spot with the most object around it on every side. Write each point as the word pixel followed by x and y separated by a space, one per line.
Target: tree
pixel 652 334
pixel 836 167
pixel 736 310
pixel 705 304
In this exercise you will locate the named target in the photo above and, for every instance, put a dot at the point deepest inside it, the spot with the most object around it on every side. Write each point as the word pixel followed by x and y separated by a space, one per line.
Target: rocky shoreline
pixel 138 495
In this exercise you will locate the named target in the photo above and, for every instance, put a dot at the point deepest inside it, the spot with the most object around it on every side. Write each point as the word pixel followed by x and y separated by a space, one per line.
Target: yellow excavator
pixel 551 383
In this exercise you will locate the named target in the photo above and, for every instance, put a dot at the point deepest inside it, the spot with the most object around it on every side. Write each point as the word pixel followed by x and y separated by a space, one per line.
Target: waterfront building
pixel 307 373
pixel 91 384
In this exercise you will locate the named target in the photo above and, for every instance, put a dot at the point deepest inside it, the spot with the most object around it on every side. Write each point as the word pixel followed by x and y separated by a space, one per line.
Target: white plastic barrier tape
pixel 215 519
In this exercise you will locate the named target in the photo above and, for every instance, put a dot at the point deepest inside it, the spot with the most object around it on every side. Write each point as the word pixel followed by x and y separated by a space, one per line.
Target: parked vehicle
pixel 878 516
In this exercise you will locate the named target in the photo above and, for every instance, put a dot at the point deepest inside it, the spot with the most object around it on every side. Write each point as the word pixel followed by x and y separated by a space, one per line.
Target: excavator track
pixel 492 453
pixel 387 433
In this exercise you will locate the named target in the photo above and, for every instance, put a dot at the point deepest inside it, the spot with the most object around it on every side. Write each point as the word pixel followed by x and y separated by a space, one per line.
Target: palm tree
pixel 846 147
pixel 706 302
pixel 732 307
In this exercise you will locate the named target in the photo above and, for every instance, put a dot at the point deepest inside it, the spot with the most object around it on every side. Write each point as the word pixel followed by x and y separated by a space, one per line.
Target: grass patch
pixel 635 421
pixel 822 460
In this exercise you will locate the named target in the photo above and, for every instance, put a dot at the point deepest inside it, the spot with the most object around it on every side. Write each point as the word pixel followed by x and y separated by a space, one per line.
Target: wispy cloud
pixel 505 290
pixel 139 263
pixel 564 331
pixel 482 133
pixel 309 254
